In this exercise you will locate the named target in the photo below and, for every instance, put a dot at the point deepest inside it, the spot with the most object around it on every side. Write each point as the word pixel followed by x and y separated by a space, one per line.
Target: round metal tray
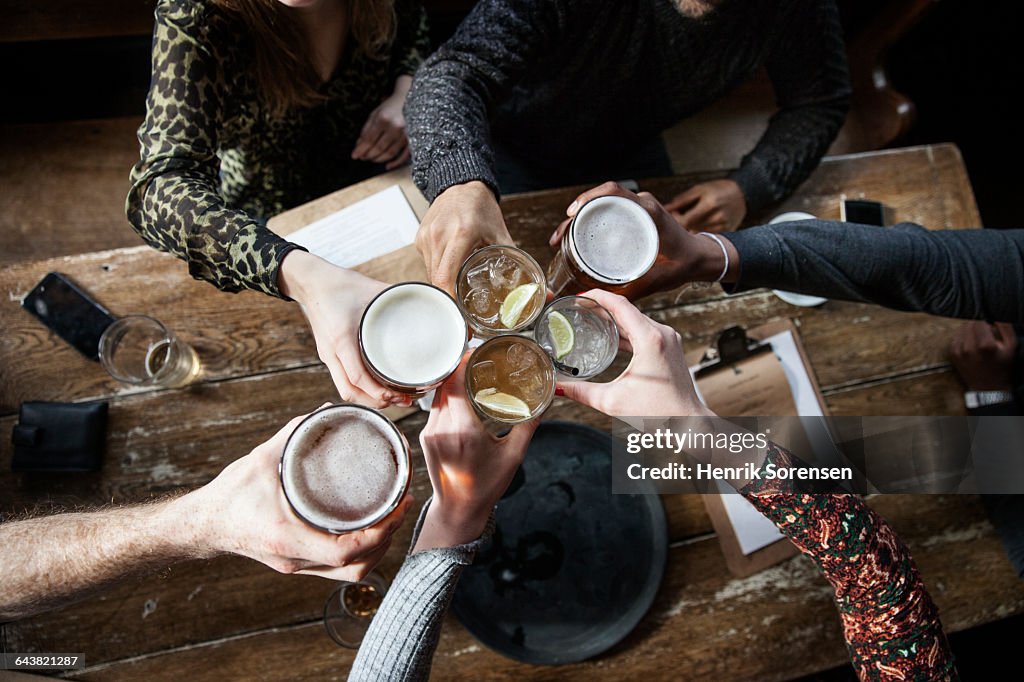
pixel 571 568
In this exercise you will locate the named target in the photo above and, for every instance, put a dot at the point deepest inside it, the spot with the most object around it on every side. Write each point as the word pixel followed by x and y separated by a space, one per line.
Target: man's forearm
pixel 811 82
pixel 972 274
pixel 46 562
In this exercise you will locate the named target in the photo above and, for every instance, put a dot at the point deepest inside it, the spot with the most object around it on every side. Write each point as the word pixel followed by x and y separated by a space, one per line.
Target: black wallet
pixel 59 437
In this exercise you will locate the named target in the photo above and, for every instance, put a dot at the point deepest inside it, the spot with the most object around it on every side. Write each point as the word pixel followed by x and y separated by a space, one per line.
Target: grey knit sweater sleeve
pixel 400 643
pixel 453 96
pixel 807 67
pixel 974 274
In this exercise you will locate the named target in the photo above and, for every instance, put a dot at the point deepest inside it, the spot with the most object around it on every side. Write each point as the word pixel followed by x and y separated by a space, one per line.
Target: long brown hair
pixel 282 61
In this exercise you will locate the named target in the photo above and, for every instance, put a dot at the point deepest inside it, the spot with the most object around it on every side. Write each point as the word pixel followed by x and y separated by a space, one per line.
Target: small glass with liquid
pixel 351 607
pixel 139 350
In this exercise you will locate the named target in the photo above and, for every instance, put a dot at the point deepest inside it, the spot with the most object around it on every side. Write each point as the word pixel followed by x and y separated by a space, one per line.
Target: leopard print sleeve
pixel 174 202
pixel 412 39
pixel 890 622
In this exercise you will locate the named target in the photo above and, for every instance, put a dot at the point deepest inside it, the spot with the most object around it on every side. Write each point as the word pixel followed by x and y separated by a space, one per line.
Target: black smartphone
pixel 862 212
pixel 70 312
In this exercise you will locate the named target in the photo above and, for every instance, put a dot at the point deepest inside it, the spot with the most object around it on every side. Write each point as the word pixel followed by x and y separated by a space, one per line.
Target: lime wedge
pixel 563 336
pixel 503 403
pixel 516 302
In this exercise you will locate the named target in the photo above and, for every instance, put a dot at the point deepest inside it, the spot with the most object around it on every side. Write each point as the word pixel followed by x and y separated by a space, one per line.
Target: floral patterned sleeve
pixel 412 39
pixel 174 203
pixel 890 622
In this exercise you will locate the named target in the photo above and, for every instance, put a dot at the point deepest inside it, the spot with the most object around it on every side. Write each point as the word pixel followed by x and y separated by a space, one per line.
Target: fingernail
pixel 559 391
pixel 580 293
pixel 327 404
pixel 573 207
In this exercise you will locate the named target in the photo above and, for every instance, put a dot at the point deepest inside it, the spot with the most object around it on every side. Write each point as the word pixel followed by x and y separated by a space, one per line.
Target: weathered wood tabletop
pixel 235 619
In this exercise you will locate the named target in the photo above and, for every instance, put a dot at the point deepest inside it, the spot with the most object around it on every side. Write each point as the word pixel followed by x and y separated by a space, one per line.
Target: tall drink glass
pixel 345 468
pixel 610 244
pixel 500 290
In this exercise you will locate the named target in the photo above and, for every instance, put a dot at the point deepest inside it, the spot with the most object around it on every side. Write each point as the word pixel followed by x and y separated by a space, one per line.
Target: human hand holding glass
pixel 656 382
pixel 469 467
pixel 244 511
pixel 683 257
pixel 461 219
pixel 333 300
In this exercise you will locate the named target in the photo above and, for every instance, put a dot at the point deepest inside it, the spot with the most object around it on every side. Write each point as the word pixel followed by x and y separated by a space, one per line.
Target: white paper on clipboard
pixel 753 530
pixel 379 224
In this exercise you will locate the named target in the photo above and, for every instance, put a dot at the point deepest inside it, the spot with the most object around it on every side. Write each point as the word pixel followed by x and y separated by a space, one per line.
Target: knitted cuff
pixel 456 167
pixel 459 554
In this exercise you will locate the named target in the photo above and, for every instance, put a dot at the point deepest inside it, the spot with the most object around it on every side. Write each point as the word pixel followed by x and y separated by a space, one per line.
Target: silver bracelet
pixel 725 252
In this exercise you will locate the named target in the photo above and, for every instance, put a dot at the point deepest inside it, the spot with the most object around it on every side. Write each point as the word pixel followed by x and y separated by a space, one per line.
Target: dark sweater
pixel 583 80
pixel 974 274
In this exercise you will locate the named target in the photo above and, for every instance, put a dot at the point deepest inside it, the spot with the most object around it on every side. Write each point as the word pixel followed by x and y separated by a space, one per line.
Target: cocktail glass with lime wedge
pixel 510 379
pixel 579 334
pixel 500 290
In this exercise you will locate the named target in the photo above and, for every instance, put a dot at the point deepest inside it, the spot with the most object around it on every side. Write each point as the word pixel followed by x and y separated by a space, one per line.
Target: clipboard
pixel 732 347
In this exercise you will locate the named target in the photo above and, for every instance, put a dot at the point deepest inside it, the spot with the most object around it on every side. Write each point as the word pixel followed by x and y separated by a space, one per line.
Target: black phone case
pixel 864 212
pixel 69 312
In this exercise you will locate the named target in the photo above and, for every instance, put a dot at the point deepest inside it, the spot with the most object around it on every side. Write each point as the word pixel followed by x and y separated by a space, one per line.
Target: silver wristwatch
pixel 976 399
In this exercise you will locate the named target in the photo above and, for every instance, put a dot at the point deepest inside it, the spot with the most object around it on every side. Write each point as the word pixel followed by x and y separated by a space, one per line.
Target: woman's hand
pixel 715 206
pixel 469 467
pixel 656 383
pixel 383 138
pixel 333 300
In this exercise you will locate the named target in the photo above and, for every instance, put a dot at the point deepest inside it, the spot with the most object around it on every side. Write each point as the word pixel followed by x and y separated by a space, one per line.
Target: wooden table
pixel 235 619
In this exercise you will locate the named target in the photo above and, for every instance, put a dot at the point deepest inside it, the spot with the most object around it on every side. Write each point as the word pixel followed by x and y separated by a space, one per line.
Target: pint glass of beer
pixel 510 379
pixel 344 468
pixel 412 337
pixel 500 290
pixel 610 244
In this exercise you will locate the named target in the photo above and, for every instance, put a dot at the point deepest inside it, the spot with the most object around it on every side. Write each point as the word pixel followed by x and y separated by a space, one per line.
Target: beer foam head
pixel 413 334
pixel 614 239
pixel 343 468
